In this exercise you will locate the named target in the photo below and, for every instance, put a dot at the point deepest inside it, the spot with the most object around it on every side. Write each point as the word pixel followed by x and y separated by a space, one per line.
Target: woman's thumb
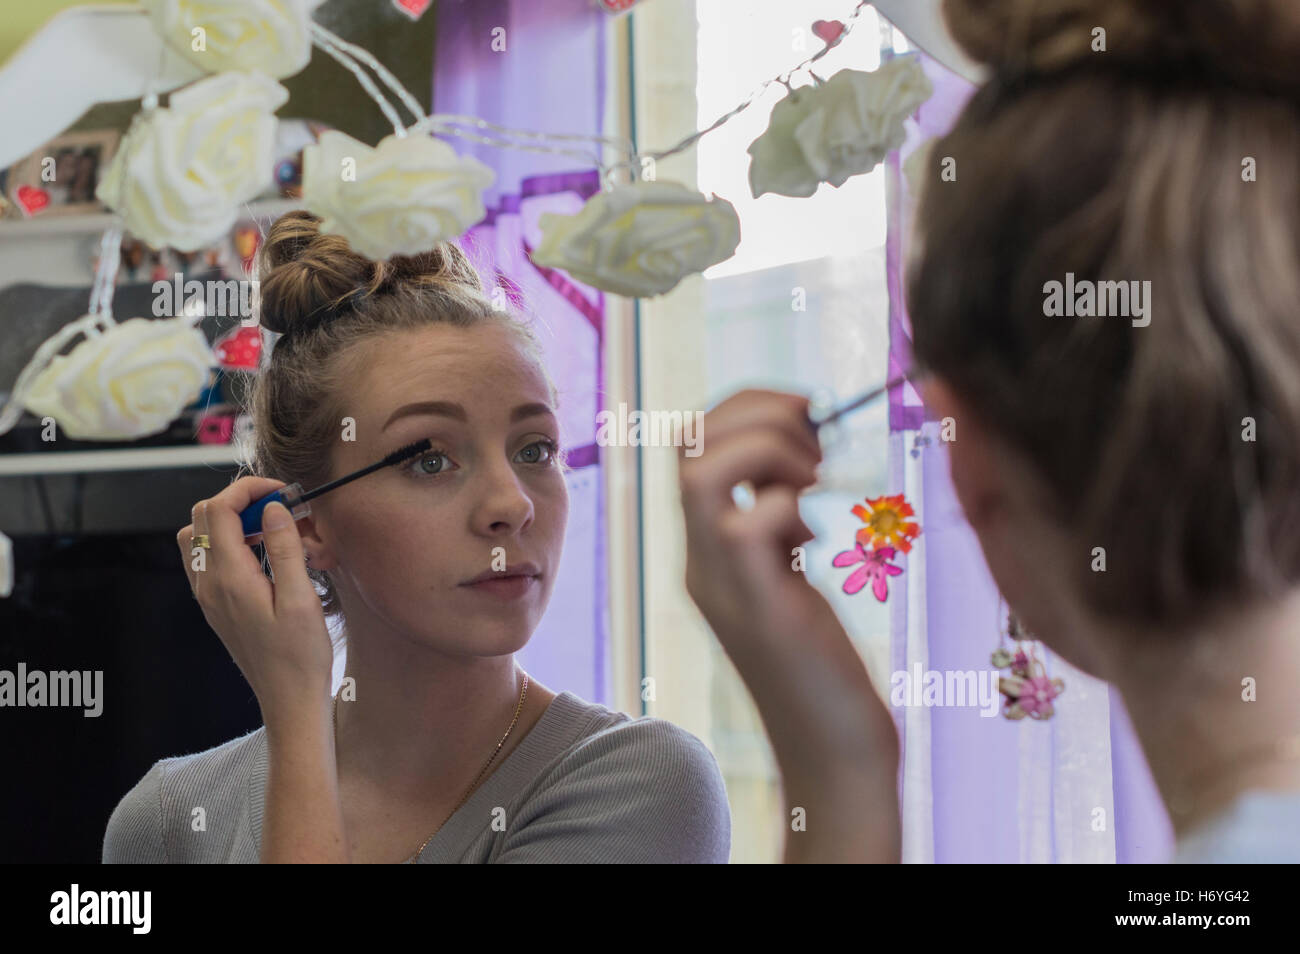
pixel 283 547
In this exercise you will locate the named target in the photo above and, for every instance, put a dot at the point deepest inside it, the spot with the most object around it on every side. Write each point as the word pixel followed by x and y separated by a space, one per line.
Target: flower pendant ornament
pixel 840 128
pixel 640 239
pixel 400 197
pixel 876 569
pixel 886 522
pixel 1027 691
pixel 887 532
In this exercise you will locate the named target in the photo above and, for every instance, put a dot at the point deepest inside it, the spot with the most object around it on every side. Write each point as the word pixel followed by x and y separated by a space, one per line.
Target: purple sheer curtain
pixel 541 66
pixel 1076 788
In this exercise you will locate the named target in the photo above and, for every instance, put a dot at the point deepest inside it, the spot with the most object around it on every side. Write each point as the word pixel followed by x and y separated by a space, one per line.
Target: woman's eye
pixel 540 452
pixel 429 463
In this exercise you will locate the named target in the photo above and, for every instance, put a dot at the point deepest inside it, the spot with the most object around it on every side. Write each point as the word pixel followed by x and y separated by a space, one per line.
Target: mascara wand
pixel 295 501
pixel 817 421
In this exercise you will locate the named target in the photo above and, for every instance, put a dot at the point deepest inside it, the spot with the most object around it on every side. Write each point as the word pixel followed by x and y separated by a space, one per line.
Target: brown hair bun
pixel 307 275
pixel 1253 43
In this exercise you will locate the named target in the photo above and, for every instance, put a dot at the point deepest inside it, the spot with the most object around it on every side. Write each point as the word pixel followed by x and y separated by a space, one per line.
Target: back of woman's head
pixel 328 302
pixel 1164 150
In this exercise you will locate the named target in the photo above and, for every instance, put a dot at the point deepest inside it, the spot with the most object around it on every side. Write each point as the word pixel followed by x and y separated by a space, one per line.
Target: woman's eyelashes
pixel 433 462
pixel 421 467
pixel 551 447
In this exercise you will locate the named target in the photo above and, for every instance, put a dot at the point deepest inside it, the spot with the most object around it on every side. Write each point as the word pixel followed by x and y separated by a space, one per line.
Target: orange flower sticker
pixel 886 523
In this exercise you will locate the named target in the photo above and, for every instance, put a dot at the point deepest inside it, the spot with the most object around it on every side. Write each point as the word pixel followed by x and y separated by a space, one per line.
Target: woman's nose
pixel 504 504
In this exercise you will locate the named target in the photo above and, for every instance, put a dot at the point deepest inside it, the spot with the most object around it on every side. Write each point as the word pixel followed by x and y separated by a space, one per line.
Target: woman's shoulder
pixel 1259 827
pixel 186 807
pixel 626 789
pixel 634 742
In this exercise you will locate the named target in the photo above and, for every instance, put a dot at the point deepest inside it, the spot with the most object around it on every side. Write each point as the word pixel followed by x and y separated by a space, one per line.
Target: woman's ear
pixel 320 556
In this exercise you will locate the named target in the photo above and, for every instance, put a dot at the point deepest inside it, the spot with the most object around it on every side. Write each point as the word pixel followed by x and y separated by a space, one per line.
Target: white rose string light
pixel 271 36
pixel 640 239
pixel 838 128
pixel 645 236
pixel 123 381
pixel 183 171
pixel 617 241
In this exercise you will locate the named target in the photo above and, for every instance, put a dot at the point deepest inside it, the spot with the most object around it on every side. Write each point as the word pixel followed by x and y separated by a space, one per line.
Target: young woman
pixel 441 749
pixel 1164 149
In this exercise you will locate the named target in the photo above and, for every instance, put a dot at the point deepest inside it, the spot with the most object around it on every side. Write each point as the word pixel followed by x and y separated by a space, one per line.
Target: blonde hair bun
pixel 306 275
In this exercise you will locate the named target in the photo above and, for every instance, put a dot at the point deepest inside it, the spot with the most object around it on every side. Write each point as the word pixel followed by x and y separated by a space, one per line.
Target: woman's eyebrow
pixel 444 408
pixel 525 411
pixel 457 412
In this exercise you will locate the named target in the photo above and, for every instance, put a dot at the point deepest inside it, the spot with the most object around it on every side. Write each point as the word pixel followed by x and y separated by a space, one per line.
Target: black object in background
pixel 119 603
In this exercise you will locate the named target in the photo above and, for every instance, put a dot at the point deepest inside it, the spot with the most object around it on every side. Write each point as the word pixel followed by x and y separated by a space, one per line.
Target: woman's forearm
pixel 847 817
pixel 303 819
pixel 837 750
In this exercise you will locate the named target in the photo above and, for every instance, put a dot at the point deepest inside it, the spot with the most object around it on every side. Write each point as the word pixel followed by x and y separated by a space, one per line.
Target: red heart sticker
pixel 828 31
pixel 216 429
pixel 413 8
pixel 239 350
pixel 31 200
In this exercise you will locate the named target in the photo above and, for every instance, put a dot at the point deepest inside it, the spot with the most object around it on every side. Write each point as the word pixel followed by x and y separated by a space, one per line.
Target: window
pixel 740 325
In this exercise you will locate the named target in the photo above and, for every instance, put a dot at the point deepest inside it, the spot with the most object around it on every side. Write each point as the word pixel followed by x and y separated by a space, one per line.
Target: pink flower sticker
pixel 876 568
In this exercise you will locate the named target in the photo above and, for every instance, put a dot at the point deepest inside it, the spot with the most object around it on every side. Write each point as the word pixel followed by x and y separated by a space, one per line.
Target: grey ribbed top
pixel 586 784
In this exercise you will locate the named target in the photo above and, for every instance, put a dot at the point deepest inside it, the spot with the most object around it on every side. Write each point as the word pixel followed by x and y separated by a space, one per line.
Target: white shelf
pixel 143 458
pixel 43 225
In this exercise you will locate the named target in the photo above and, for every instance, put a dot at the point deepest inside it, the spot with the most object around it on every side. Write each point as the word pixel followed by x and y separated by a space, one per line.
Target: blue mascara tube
pixel 290 495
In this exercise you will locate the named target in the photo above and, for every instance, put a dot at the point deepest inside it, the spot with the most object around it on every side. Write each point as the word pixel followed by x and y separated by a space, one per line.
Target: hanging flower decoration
pixel 840 128
pixel 887 531
pixel 886 523
pixel 184 170
pixel 127 382
pixel 401 197
pixel 1027 691
pixel 640 239
pixel 876 569
pixel 273 36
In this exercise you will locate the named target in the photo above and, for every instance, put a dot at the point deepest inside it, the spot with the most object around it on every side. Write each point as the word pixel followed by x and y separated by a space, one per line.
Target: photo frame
pixel 80 159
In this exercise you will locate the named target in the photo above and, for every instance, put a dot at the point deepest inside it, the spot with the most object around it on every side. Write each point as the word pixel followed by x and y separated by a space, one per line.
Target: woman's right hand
pixel 275 632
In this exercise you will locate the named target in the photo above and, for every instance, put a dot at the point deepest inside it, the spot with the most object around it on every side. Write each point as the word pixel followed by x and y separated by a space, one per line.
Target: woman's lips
pixel 504 588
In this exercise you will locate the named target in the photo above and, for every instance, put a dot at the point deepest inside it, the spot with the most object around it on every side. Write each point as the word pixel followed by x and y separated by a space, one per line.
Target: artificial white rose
pixel 640 239
pixel 401 197
pixel 127 382
pixel 841 128
pixel 273 36
pixel 183 172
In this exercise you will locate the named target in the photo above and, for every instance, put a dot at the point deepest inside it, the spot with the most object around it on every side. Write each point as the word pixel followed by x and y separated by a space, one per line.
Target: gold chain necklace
pixel 473 785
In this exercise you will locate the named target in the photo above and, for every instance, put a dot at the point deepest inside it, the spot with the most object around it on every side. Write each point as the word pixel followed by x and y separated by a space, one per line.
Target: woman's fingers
pixel 760 456
pixel 293 589
pixel 775 518
pixel 228 561
pixel 752 408
pixel 184 536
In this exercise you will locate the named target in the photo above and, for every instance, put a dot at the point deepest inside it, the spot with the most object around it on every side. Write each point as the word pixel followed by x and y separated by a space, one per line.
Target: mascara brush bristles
pixel 405 453
pixel 396 457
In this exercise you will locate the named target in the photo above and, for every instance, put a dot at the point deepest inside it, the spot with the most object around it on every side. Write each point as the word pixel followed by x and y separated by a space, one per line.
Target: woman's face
pixel 401 544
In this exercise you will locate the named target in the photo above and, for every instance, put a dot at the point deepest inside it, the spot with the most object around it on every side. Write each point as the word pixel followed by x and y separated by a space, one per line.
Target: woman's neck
pixel 1215 708
pixel 421 716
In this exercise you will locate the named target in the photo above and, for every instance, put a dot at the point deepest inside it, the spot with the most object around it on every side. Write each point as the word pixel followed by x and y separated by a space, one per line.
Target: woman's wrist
pixel 297 710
